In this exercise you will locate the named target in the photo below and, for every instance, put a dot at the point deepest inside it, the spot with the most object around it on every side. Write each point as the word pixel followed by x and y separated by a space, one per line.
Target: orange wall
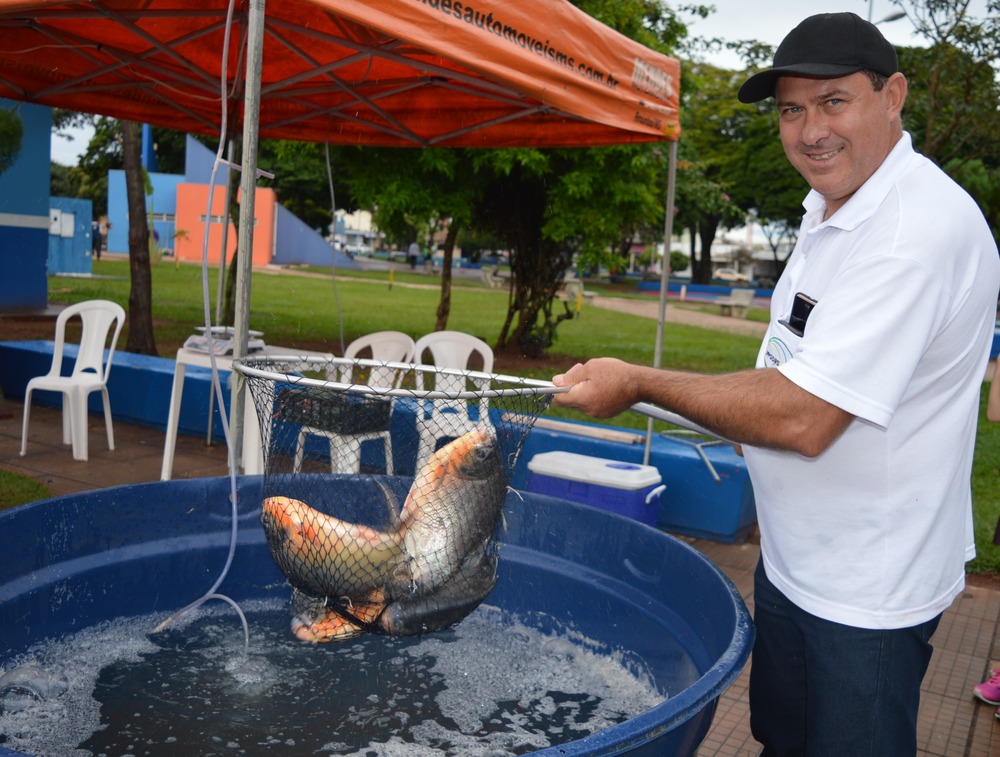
pixel 191 202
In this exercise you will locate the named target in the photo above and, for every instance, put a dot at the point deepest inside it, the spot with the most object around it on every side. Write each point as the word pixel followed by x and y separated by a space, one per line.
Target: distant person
pixel 989 690
pixel 105 230
pixel 412 254
pixel 97 239
pixel 858 423
pixel 993 398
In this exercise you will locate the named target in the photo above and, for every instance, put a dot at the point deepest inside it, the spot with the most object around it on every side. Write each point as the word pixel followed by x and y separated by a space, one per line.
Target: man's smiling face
pixel 837 132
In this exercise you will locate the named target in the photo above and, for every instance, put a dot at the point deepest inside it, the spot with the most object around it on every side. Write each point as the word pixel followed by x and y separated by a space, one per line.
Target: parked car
pixel 731 274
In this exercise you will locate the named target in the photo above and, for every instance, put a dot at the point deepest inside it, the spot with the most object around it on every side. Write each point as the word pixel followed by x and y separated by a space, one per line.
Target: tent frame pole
pixel 248 190
pixel 668 231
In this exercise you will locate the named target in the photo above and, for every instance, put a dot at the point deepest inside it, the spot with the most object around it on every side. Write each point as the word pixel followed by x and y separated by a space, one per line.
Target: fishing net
pixel 384 486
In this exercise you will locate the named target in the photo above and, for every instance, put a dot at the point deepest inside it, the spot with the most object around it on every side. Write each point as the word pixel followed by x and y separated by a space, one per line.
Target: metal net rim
pixel 249 367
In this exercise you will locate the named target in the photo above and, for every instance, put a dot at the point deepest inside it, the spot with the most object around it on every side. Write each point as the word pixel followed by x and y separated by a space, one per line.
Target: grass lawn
pixel 311 311
pixel 16 489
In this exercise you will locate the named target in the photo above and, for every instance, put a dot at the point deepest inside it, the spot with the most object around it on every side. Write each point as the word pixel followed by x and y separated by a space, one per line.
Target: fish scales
pixel 326 556
pixel 453 508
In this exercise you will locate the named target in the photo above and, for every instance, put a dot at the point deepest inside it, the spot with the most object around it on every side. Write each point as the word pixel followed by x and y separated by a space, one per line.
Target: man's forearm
pixel 755 407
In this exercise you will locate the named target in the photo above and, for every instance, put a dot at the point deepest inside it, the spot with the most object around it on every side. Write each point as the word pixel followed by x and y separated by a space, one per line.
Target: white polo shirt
pixel 874 532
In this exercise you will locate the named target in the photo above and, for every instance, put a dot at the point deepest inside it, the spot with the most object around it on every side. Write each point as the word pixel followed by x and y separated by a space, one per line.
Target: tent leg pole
pixel 248 188
pixel 668 231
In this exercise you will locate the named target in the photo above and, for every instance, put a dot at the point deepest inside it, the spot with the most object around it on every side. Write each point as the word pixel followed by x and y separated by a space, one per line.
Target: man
pixel 97 239
pixel 859 432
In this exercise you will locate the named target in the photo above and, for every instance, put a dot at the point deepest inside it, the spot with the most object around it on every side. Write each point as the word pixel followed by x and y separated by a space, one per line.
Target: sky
pixel 763 20
pixel 769 20
pixel 68 153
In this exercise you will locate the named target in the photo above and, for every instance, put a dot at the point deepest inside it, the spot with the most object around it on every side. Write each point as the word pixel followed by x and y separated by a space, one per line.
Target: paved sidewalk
pixel 950 724
pixel 650 308
pixel 967 643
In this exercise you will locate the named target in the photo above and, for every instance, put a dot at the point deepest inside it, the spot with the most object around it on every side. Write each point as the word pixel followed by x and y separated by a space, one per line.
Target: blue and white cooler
pixel 625 488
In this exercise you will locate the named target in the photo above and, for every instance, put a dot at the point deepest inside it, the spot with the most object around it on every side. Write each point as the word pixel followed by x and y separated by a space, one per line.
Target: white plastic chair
pixel 448 419
pixel 345 449
pixel 90 374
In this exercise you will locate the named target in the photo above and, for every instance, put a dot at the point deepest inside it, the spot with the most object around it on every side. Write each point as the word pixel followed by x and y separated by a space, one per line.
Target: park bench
pixel 737 303
pixel 492 279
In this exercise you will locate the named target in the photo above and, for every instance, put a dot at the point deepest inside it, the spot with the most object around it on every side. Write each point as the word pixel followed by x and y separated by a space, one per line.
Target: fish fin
pixel 391 506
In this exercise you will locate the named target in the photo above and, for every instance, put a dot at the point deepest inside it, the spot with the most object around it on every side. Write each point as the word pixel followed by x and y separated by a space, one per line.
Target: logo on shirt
pixel 777 353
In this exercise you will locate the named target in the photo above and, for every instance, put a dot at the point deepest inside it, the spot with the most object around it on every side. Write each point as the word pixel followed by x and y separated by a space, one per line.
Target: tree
pixel 301 182
pixel 11 133
pixel 713 122
pixel 605 199
pixel 954 94
pixel 544 206
pixel 513 207
pixel 954 86
pixel 414 189
pixel 103 154
pixel 765 185
pixel 171 148
pixel 140 301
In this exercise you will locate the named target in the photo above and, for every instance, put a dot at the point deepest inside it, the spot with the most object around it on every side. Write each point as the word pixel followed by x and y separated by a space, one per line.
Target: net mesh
pixel 384 486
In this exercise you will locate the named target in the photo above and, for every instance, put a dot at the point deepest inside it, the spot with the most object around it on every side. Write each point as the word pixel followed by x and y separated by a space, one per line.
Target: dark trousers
pixel 823 688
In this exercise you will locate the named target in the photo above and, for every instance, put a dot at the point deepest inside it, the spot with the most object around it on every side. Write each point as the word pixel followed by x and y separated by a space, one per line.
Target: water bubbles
pixel 494 685
pixel 31 682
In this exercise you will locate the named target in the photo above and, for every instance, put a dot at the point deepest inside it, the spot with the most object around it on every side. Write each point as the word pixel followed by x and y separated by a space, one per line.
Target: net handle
pixel 659 414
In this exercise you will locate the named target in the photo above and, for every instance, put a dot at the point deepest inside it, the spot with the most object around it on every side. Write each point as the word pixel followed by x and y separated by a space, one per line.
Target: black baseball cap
pixel 827 46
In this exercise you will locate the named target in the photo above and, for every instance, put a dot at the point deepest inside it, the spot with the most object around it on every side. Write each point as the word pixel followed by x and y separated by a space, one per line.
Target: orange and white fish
pixel 325 556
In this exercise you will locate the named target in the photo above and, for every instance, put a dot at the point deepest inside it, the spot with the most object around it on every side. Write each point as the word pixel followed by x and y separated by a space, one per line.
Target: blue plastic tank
pixel 71 562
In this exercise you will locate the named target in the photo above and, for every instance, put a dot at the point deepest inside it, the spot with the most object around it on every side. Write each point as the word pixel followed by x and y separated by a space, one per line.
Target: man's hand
pixel 601 388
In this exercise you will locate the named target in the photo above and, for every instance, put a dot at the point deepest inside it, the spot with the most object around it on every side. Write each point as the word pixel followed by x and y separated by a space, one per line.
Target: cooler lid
pixel 594 470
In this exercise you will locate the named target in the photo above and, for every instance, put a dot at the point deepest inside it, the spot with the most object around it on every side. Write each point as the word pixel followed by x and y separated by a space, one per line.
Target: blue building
pixel 24 213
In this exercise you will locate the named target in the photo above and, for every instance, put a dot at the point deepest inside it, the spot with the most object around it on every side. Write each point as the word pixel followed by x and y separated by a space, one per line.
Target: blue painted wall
pixel 24 213
pixel 297 244
pixel 198 163
pixel 71 254
pixel 162 202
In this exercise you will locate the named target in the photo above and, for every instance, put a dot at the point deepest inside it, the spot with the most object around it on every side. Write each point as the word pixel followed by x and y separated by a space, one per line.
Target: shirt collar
pixel 869 196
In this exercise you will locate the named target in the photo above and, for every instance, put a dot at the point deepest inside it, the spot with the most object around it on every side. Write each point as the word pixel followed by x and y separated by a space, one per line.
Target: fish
pixel 431 566
pixel 452 602
pixel 318 620
pixel 326 556
pixel 453 508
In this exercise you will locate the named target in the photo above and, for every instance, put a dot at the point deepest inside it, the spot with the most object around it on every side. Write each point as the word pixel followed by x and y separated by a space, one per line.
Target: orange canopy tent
pixel 445 73
pixel 441 73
